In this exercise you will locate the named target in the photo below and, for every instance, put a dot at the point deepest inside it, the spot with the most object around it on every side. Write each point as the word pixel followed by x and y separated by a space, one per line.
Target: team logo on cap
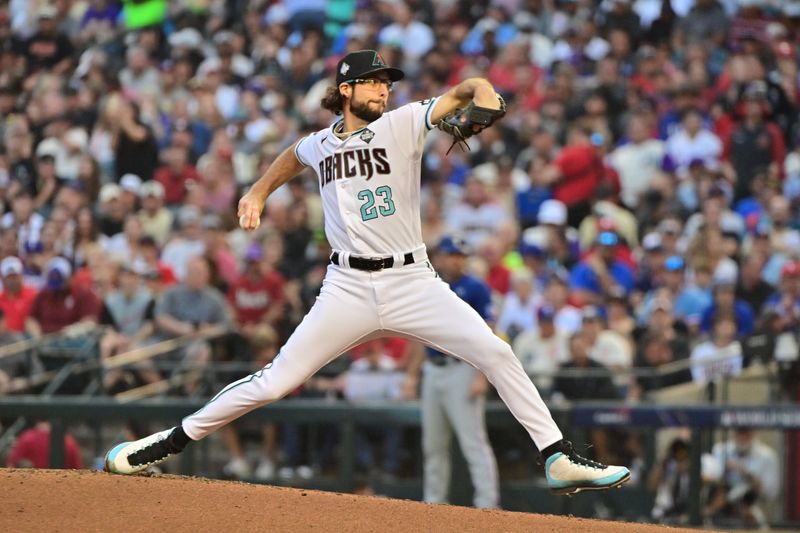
pixel 367 135
pixel 344 69
pixel 378 61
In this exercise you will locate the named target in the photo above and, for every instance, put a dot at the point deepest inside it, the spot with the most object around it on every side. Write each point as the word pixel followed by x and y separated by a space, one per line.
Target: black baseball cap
pixel 362 63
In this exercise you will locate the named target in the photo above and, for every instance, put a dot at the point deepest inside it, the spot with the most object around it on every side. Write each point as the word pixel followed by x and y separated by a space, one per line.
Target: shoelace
pixel 583 461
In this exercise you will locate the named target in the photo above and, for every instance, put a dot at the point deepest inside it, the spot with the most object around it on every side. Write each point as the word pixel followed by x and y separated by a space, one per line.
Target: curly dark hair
pixel 333 100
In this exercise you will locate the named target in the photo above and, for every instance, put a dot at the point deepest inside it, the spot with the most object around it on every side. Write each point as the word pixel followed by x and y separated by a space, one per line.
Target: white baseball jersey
pixel 369 182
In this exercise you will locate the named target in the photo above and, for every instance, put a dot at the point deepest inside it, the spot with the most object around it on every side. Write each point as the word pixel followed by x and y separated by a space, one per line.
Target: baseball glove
pixel 463 123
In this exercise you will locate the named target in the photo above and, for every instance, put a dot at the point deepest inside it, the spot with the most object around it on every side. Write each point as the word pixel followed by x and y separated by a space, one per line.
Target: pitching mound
pixel 61 500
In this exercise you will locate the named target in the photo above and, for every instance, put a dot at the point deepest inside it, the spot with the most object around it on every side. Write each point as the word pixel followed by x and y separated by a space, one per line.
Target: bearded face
pixel 367 107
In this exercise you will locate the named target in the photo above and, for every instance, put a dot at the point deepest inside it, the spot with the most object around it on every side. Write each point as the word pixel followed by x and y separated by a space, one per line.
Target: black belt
pixel 371 264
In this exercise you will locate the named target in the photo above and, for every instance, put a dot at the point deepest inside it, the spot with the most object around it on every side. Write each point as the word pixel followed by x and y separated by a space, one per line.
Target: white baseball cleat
pixel 136 456
pixel 569 473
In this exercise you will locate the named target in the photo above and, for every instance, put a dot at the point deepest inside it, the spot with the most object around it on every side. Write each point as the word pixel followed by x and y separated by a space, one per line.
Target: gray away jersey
pixel 370 182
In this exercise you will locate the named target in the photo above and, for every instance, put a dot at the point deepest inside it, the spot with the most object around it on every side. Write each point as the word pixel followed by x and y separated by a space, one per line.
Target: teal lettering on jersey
pixel 368 209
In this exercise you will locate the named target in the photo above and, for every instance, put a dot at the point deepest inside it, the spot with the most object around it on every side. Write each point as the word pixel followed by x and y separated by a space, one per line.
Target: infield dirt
pixel 80 501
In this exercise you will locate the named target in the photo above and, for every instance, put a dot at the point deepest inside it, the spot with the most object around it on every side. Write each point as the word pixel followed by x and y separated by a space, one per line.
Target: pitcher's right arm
pixel 285 167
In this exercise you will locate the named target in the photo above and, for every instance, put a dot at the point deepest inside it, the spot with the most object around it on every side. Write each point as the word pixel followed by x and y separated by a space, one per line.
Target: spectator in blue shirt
pixel 600 272
pixel 725 302
pixel 689 302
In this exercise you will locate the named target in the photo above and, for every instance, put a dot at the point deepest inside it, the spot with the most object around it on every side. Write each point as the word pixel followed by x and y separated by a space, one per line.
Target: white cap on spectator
pixel 151 188
pixel 652 242
pixel 60 265
pixel 50 146
pixel 130 183
pixel 553 212
pixel 186 38
pixel 77 137
pixel 11 265
pixel 486 173
pixel 726 273
pixel 109 191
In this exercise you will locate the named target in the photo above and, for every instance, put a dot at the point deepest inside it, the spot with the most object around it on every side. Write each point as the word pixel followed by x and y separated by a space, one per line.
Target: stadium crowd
pixel 639 204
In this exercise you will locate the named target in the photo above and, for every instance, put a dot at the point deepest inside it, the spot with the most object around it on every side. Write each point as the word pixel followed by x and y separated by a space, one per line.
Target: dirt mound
pixel 61 500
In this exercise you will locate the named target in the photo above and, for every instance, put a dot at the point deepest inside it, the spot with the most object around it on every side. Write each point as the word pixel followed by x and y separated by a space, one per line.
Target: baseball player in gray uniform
pixel 379 282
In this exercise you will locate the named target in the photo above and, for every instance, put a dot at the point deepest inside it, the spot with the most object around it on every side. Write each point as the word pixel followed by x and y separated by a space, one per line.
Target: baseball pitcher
pixel 379 282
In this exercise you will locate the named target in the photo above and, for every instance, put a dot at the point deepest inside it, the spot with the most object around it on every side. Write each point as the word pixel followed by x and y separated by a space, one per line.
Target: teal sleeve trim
pixel 428 124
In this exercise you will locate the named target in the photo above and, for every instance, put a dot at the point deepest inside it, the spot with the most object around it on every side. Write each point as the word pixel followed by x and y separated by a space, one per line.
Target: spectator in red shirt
pixel 175 174
pixel 17 298
pixel 59 304
pixel 575 173
pixel 257 296
pixel 150 254
pixel 32 449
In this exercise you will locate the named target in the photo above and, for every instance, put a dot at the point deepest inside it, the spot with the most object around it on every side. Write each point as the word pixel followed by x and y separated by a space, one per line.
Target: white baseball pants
pixel 353 306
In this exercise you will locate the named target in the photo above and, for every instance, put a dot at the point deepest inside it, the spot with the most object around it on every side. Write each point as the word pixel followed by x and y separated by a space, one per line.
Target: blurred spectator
pixel 575 173
pixel 604 209
pixel 786 302
pixel 135 150
pixel 129 313
pixel 24 220
pixel 477 216
pixel 519 306
pixel 412 36
pixel 572 385
pixel 156 219
pixel 111 213
pixel 542 349
pixel 176 174
pixel 256 297
pixel 637 161
pixel 189 309
pixel 155 268
pixel 751 288
pixel 17 297
pixel 600 272
pixel 60 305
pixel 607 347
pixel 124 246
pixel 693 142
pixel 706 21
pixel 187 244
pixel 726 303
pixel 750 478
pixel 567 316
pixel 755 144
pixel 32 449
pixel 48 48
pixel 688 301
pixel 670 482
pixel 720 357
pixel 656 355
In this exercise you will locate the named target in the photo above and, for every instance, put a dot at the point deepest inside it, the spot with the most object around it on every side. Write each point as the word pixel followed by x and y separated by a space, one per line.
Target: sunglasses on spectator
pixel 372 82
